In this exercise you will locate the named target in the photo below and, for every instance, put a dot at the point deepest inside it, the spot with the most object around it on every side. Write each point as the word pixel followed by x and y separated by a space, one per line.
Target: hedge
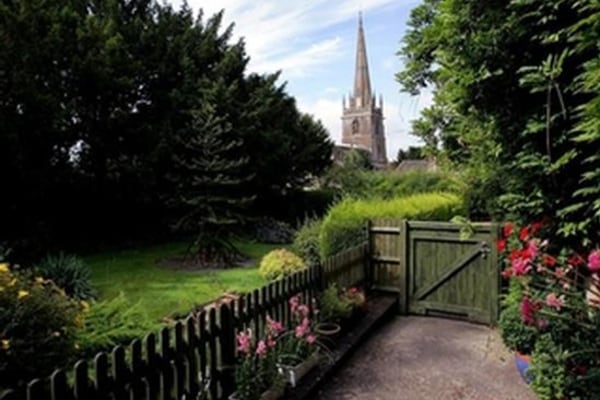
pixel 343 227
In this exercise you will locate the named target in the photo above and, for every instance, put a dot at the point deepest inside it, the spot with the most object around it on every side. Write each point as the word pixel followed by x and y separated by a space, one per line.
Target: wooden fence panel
pixel 385 249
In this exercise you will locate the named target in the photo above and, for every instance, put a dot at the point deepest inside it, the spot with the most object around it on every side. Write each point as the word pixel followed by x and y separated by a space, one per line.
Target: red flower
pixel 508 229
pixel 576 260
pixel 536 227
pixel 548 260
pixel 501 245
pixel 514 255
pixel 524 233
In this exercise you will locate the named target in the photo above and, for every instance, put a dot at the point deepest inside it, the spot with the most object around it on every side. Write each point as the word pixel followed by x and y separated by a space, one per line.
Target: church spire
pixel 362 82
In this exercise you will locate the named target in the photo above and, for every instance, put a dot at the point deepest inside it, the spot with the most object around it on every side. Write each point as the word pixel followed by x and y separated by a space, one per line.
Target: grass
pixel 165 292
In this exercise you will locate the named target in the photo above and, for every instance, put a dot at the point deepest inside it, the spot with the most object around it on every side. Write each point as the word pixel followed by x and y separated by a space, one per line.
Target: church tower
pixel 362 120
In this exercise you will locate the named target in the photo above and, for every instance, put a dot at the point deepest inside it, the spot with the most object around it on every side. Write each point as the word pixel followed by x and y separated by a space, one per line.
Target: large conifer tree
pixel 208 174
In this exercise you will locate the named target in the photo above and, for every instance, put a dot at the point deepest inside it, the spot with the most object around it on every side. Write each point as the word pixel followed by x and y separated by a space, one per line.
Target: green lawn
pixel 164 292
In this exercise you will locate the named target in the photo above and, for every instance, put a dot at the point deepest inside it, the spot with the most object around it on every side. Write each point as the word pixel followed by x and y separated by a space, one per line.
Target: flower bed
pixel 552 310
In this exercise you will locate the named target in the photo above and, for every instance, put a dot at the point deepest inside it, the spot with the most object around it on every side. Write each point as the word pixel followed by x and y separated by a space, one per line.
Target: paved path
pixel 414 358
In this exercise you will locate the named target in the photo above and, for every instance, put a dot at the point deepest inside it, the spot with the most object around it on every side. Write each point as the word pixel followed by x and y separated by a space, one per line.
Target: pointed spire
pixel 362 82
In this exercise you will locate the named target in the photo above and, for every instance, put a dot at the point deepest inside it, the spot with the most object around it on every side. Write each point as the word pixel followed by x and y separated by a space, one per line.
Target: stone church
pixel 362 119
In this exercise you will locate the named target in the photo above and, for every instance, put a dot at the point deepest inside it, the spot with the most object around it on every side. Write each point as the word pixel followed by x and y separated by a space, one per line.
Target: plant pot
pixel 294 373
pixel 273 393
pixel 328 333
pixel 522 362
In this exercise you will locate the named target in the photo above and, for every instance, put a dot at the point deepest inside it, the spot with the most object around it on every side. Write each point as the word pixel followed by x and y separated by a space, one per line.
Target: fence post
pixel 404 265
pixel 367 258
pixel 227 342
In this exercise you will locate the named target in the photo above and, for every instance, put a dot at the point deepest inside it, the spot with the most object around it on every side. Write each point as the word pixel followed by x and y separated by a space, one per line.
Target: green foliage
pixel 549 370
pixel 70 273
pixel 38 326
pixel 333 307
pixel 270 230
pixel 111 322
pixel 390 184
pixel 93 93
pixel 516 334
pixel 515 110
pixel 306 242
pixel 280 263
pixel 343 227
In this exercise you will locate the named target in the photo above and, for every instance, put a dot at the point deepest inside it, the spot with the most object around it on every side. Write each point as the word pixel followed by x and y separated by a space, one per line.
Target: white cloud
pixel 328 111
pixel 276 32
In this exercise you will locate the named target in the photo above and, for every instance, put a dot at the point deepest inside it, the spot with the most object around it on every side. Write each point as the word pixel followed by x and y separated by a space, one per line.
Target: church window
pixel 355 126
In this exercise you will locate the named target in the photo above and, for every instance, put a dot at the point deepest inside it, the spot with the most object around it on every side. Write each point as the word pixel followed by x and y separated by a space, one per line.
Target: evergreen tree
pixel 208 175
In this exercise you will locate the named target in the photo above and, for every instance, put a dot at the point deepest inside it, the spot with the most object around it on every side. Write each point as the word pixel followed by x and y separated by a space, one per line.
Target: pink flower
pixel 559 273
pixel 244 340
pixel 294 303
pixel 353 290
pixel 555 301
pixel 310 339
pixel 531 251
pixel 303 310
pixel 594 261
pixel 303 328
pixel 271 343
pixel 273 326
pixel 520 266
pixel 542 323
pixel 528 310
pixel 261 348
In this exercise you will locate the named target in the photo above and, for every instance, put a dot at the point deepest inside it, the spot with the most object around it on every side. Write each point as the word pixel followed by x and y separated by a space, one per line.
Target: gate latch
pixel 484 250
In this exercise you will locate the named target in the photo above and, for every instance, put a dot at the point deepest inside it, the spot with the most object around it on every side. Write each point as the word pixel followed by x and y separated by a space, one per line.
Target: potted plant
pixel 299 349
pixel 518 336
pixel 334 309
pixel 256 374
pixel 358 301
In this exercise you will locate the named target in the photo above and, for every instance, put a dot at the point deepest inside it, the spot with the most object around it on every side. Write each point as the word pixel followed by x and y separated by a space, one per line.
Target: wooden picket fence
pixel 195 358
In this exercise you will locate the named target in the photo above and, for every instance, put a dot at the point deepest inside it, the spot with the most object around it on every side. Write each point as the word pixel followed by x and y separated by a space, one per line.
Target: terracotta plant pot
pixel 328 332
pixel 522 362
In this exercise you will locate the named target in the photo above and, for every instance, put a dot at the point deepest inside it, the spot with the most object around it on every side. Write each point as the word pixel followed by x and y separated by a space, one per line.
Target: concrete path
pixel 415 358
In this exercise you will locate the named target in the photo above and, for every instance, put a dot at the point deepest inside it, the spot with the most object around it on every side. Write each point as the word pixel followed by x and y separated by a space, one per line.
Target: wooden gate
pixel 434 270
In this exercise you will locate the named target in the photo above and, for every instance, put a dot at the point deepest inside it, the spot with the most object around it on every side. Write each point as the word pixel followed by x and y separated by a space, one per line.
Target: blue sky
pixel 313 43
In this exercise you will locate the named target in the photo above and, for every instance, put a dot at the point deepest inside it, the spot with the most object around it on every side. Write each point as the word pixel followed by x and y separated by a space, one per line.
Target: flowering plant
pixel 355 296
pixel 300 342
pixel 334 306
pixel 38 326
pixel 559 296
pixel 257 370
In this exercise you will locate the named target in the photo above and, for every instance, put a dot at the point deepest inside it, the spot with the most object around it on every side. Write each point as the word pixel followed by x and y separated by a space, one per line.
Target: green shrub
pixel 70 273
pixel 365 184
pixel 306 242
pixel 343 227
pixel 280 263
pixel 38 324
pixel 111 322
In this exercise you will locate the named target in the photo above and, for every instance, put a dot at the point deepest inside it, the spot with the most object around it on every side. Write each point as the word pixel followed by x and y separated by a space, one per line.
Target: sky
pixel 313 43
